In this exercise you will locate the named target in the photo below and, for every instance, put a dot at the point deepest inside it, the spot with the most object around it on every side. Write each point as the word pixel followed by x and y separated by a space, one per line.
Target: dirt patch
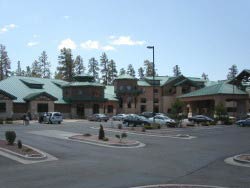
pixel 25 151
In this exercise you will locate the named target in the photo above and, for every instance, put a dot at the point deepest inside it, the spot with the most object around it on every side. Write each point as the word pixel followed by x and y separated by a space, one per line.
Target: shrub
pixel 19 144
pixel 9 121
pixel 105 139
pixel 121 136
pixel 1 121
pixel 10 137
pixel 119 126
pixel 124 135
pixel 148 127
pixel 101 133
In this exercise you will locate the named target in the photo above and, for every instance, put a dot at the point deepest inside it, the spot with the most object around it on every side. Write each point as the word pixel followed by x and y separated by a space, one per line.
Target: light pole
pixel 153 48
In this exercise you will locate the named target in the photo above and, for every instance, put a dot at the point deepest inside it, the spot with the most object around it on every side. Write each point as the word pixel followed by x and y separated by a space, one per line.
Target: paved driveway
pixel 163 160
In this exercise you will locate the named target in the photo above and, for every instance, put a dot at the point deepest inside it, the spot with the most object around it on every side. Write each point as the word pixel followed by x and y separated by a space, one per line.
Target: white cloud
pixel 126 40
pixel 108 48
pixel 35 36
pixel 66 17
pixel 91 44
pixel 7 28
pixel 67 43
pixel 31 44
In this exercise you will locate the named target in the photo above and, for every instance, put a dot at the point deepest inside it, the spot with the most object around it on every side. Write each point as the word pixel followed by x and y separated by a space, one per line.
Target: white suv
pixel 53 117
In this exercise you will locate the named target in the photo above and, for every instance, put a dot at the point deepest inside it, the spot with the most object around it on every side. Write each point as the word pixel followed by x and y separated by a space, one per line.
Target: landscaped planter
pixel 178 186
pixel 111 141
pixel 243 158
pixel 26 152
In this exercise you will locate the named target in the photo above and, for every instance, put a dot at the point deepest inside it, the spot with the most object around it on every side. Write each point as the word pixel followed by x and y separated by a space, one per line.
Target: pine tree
pixel 112 71
pixel 93 68
pixel 36 69
pixel 233 71
pixel 149 68
pixel 122 71
pixel 45 65
pixel 4 63
pixel 131 70
pixel 104 71
pixel 204 76
pixel 141 73
pixel 19 69
pixel 66 64
pixel 79 67
pixel 58 76
pixel 28 72
pixel 177 70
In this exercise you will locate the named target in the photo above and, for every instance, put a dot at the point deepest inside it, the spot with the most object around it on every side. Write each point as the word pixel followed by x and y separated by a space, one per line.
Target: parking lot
pixel 163 160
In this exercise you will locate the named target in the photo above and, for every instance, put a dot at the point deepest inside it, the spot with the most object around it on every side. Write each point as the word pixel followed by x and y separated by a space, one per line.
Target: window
pixel 143 100
pixel 121 88
pixel 80 92
pixel 155 90
pixel 231 109
pixel 156 100
pixel 143 108
pixel 110 109
pixel 129 88
pixel 2 107
pixel 129 101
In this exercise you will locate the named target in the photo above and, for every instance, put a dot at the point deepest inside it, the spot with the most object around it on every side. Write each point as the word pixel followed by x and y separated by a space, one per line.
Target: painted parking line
pixel 178 136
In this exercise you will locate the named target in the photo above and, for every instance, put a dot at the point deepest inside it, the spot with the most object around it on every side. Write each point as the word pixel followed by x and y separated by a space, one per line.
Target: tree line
pixel 103 70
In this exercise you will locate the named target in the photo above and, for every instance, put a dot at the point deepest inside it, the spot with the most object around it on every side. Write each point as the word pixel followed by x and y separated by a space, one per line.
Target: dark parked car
pixel 200 118
pixel 119 117
pixel 136 120
pixel 98 117
pixel 244 122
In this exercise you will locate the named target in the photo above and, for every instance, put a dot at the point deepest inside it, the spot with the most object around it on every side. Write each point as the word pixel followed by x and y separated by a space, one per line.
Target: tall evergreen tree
pixel 104 68
pixel 122 71
pixel 79 67
pixel 112 71
pixel 45 65
pixel 233 71
pixel 28 71
pixel 4 63
pixel 36 69
pixel 177 70
pixel 19 69
pixel 131 70
pixel 149 68
pixel 66 64
pixel 141 73
pixel 93 68
pixel 204 76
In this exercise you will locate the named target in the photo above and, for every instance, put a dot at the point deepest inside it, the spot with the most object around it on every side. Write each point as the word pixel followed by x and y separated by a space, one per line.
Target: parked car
pixel 163 120
pixel 51 117
pixel 200 118
pixel 147 114
pixel 243 122
pixel 119 117
pixel 98 117
pixel 136 120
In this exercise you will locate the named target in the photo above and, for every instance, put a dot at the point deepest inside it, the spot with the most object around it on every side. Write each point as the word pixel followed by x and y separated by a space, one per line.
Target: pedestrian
pixel 24 119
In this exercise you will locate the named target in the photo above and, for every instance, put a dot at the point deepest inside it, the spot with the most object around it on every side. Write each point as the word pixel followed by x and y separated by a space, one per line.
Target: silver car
pixel 53 117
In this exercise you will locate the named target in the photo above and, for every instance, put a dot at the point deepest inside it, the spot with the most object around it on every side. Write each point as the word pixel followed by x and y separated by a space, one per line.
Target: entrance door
pixel 80 110
pixel 42 107
pixel 95 108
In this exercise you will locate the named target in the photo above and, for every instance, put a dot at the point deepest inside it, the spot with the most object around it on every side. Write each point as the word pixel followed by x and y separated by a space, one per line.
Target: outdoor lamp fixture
pixel 153 48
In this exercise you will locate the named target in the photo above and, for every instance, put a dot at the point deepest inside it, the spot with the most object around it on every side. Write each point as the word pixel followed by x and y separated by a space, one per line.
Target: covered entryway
pixel 80 110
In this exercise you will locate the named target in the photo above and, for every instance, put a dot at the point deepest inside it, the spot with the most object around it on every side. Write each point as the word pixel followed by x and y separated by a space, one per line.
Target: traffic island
pixel 107 141
pixel 178 186
pixel 242 160
pixel 26 154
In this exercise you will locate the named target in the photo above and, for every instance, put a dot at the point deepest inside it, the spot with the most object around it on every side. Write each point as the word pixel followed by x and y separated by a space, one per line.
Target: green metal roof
pixel 142 83
pixel 17 88
pixel 109 93
pixel 77 84
pixel 125 77
pixel 162 79
pixel 221 88
pixel 35 95
pixel 7 94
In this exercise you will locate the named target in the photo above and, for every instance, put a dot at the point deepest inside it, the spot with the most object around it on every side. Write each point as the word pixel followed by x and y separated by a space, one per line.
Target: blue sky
pixel 198 35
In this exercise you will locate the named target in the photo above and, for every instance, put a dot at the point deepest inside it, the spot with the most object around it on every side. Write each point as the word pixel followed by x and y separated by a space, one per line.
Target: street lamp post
pixel 153 48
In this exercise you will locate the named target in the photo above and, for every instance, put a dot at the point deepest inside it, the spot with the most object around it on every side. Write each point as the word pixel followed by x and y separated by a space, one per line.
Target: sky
pixel 198 35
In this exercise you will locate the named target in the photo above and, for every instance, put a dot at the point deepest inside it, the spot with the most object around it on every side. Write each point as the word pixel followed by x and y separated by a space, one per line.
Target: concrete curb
pixel 139 145
pixel 231 161
pixel 237 159
pixel 180 185
pixel 152 135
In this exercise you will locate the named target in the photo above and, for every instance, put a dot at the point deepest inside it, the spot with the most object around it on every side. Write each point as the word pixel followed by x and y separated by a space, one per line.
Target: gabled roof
pixel 109 93
pixel 220 88
pixel 15 86
pixel 125 77
pixel 32 96
pixel 7 94
pixel 78 84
